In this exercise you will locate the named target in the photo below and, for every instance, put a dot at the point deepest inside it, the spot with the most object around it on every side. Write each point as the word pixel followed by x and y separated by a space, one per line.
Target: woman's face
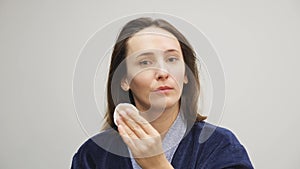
pixel 155 69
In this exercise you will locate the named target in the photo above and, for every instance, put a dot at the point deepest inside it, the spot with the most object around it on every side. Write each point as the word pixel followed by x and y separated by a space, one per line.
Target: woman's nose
pixel 161 74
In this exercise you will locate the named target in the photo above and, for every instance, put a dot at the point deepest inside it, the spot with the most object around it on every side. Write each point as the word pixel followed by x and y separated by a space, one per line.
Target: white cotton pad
pixel 123 107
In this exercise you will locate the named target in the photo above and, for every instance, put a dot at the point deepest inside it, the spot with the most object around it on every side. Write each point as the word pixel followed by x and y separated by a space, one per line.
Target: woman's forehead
pixel 152 38
pixel 155 31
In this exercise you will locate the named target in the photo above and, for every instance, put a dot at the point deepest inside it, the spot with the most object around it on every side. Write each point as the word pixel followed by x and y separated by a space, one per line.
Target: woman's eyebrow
pixel 145 54
pixel 171 51
pixel 150 53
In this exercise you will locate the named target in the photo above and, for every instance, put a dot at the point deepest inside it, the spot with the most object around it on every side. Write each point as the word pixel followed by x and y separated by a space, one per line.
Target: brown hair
pixel 117 70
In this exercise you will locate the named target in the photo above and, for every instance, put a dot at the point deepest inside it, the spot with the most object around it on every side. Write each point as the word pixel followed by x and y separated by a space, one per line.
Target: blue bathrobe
pixel 221 150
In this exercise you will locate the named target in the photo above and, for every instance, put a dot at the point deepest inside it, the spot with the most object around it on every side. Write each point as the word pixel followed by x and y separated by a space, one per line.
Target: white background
pixel 257 41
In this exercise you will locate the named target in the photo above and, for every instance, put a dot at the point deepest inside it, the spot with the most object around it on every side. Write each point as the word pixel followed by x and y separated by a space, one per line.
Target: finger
pixel 141 121
pixel 133 125
pixel 127 131
pixel 128 141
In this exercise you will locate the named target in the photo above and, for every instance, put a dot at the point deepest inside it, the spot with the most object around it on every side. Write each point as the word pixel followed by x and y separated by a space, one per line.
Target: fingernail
pixel 129 111
pixel 122 113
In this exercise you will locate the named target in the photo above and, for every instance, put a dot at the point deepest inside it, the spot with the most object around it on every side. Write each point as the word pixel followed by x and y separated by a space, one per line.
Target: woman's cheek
pixel 142 80
pixel 178 76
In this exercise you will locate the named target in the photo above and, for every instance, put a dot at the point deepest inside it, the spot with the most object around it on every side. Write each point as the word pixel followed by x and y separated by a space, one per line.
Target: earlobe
pixel 125 84
pixel 185 80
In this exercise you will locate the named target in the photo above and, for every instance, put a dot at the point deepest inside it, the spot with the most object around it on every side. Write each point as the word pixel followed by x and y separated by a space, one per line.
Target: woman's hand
pixel 142 139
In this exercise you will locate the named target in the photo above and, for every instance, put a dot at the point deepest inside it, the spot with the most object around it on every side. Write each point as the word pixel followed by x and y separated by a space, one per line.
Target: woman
pixel 153 69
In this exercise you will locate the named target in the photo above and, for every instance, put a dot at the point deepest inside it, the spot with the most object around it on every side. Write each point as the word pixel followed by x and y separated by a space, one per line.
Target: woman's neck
pixel 166 119
pixel 160 118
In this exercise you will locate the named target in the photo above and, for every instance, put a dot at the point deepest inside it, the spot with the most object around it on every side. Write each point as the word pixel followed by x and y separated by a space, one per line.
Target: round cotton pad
pixel 123 107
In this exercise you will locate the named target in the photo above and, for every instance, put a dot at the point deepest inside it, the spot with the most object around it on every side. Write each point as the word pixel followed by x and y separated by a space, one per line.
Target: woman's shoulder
pixel 106 144
pixel 106 141
pixel 209 132
pixel 218 146
pixel 92 142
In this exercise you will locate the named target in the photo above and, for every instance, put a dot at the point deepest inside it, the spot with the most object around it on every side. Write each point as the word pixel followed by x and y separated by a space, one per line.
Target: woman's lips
pixel 163 89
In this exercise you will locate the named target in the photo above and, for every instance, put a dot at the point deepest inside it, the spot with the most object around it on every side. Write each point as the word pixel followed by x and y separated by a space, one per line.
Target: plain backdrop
pixel 257 41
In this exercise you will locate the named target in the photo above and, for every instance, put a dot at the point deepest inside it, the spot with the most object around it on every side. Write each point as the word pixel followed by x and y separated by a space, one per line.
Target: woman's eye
pixel 145 62
pixel 172 59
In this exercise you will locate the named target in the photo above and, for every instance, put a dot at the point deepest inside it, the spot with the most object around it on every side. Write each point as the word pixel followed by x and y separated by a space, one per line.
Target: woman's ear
pixel 185 80
pixel 125 84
